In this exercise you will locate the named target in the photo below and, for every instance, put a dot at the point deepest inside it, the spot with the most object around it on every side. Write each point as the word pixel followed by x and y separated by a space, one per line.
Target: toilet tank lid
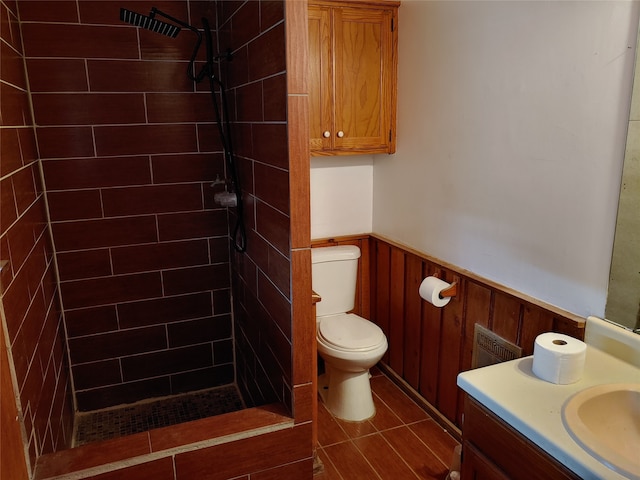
pixel 333 254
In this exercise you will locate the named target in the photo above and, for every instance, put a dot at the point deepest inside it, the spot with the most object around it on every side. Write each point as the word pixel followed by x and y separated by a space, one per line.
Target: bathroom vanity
pixel 514 426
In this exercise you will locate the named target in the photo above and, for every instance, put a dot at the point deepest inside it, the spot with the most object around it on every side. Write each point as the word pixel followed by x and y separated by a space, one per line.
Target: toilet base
pixel 347 395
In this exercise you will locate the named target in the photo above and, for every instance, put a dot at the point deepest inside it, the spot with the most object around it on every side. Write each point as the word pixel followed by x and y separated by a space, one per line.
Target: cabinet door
pixel 320 78
pixel 477 467
pixel 363 62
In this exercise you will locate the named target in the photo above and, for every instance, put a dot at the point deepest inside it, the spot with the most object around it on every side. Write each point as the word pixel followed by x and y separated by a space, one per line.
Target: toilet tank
pixel 334 271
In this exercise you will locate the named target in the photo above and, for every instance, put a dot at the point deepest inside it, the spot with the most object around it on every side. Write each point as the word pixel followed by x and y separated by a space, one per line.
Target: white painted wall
pixel 341 196
pixel 512 122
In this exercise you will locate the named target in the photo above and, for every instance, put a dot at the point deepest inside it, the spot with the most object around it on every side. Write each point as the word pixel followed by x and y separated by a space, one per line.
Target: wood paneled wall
pixel 429 346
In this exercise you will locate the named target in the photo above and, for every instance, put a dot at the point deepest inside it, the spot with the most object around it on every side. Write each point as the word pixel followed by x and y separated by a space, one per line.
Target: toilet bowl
pixel 345 387
pixel 349 344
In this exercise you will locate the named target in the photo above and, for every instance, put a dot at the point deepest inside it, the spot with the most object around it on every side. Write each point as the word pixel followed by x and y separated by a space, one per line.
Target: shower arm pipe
pixel 191 69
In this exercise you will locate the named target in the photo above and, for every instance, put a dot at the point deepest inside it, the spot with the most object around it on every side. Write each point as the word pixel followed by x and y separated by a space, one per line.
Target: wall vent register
pixel 489 348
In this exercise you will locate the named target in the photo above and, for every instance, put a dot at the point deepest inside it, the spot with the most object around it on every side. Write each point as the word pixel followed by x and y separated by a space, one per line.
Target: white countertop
pixel 533 406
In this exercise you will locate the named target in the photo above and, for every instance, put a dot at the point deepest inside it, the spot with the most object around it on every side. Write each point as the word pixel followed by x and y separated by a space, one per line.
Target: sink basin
pixel 605 421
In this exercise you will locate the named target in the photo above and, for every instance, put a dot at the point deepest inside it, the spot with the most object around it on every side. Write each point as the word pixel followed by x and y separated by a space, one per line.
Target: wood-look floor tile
pixel 329 430
pixel 349 462
pixel 397 400
pixel 384 417
pixel 329 471
pixel 421 460
pixel 357 429
pixel 437 439
pixel 384 459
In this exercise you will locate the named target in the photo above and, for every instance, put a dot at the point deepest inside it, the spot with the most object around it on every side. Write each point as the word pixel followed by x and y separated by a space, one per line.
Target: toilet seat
pixel 350 332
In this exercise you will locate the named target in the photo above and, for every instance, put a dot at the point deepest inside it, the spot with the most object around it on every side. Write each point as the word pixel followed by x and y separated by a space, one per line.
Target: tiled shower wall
pixel 129 149
pixel 32 321
pixel 261 277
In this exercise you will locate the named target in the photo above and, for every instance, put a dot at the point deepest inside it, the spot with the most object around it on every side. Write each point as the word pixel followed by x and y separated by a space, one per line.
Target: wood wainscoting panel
pixel 429 346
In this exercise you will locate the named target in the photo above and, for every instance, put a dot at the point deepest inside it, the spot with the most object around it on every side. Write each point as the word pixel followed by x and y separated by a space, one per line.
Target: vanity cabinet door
pixel 352 88
pixel 498 449
pixel 477 467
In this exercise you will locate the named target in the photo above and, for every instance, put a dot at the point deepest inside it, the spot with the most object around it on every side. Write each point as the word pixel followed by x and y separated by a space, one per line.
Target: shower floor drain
pixel 140 417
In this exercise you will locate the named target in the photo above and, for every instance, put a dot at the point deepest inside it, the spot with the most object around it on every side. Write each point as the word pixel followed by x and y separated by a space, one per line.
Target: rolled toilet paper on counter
pixel 558 358
pixel 430 289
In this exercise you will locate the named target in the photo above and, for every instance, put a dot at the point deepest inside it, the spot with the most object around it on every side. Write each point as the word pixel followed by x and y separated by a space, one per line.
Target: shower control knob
pixel 326 134
pixel 340 134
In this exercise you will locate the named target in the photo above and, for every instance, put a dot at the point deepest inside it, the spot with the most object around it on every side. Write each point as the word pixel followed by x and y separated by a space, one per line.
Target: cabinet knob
pixel 326 134
pixel 340 134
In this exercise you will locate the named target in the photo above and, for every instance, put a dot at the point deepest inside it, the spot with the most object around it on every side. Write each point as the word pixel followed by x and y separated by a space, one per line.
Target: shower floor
pixel 142 416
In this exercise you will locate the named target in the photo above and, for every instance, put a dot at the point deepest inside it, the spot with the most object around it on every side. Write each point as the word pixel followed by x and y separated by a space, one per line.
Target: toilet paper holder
pixel 450 291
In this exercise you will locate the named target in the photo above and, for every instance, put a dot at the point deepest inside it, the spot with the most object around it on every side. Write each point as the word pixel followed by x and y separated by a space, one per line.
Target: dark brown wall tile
pixel 84 264
pixel 96 172
pixel 136 76
pixel 157 47
pixel 117 344
pixel 79 41
pixel 270 144
pixel 187 168
pixel 28 145
pixel 273 226
pixel 274 90
pixel 145 139
pixel 209 138
pixel 15 106
pixel 272 186
pixel 9 21
pixel 269 48
pixel 248 15
pixel 159 256
pixel 74 205
pixel 215 376
pixel 57 75
pixel 96 374
pixel 127 201
pixel 12 66
pixel 166 362
pixel 88 109
pixel 49 11
pixel 271 12
pixel 184 280
pixel 179 107
pixel 97 398
pixel 104 233
pixel 249 103
pixel 9 151
pixel 100 291
pixel 107 12
pixel 191 332
pixel 88 321
pixel 65 142
pixel 165 310
pixel 8 212
pixel 180 226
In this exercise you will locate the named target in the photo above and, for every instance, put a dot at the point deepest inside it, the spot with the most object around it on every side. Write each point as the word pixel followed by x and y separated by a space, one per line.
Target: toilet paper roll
pixel 430 289
pixel 558 358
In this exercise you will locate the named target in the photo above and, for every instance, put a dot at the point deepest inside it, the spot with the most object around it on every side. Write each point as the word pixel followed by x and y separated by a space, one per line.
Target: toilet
pixel 349 345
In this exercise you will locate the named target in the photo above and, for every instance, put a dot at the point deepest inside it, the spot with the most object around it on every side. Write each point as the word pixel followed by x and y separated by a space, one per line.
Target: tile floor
pixel 401 442
pixel 143 416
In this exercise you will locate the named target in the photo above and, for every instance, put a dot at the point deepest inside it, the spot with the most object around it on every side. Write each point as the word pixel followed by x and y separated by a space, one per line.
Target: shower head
pixel 149 23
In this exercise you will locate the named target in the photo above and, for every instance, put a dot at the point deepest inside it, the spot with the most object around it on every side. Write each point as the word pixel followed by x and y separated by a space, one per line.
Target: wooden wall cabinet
pixel 493 450
pixel 353 70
